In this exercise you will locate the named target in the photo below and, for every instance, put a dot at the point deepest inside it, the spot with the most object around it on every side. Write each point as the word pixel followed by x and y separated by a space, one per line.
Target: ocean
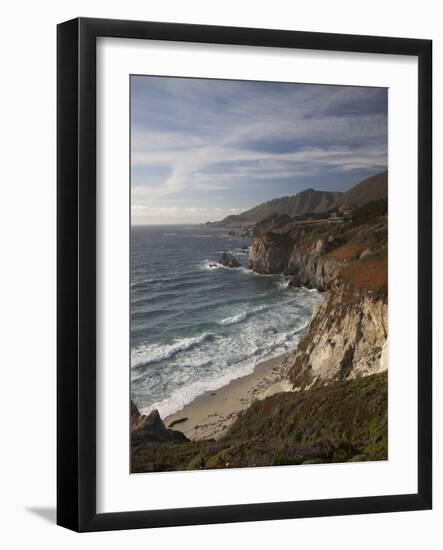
pixel 196 325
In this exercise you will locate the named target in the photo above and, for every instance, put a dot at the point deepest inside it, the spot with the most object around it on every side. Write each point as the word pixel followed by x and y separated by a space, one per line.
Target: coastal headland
pixel 325 401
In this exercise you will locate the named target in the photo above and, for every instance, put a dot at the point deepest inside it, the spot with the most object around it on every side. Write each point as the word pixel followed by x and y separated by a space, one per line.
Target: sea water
pixel 196 325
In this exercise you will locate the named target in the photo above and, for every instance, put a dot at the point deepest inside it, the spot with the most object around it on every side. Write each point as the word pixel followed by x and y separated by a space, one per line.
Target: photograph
pixel 258 274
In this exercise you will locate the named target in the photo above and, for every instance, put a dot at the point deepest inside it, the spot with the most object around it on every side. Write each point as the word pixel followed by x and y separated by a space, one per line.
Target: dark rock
pixel 294 282
pixel 228 260
pixel 135 413
pixel 270 253
pixel 151 428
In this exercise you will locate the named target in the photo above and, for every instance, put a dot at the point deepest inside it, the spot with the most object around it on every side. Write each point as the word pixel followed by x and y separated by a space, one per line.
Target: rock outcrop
pixel 150 428
pixel 348 332
pixel 270 253
pixel 135 414
pixel 309 265
pixel 228 260
pixel 347 337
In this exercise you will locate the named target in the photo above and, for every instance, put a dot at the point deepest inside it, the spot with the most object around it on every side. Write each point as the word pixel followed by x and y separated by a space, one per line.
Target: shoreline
pixel 211 414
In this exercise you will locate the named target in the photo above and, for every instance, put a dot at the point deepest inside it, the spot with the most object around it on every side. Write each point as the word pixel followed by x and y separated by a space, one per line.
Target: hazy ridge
pixel 311 201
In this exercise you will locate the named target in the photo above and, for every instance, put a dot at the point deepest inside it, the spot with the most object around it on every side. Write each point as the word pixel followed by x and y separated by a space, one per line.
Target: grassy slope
pixel 345 421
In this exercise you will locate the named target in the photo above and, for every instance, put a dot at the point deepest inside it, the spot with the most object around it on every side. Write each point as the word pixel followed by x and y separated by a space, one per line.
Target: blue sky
pixel 203 149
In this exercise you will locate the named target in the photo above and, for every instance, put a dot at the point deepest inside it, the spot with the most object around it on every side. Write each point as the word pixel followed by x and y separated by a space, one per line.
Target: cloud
pixel 197 138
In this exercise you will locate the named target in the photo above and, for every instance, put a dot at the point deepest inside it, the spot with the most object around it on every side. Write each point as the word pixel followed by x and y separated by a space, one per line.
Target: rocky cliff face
pixel 347 337
pixel 228 260
pixel 270 253
pixel 309 266
pixel 343 341
pixel 306 261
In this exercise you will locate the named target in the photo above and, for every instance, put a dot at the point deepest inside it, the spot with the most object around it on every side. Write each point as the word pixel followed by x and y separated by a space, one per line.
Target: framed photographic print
pixel 244 274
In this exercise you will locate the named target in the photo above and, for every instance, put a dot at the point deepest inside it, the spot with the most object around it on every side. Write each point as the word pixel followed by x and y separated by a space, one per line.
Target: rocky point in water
pixel 270 253
pixel 228 260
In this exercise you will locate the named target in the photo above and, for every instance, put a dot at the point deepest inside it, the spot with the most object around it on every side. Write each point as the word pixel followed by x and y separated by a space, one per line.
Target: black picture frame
pixel 76 279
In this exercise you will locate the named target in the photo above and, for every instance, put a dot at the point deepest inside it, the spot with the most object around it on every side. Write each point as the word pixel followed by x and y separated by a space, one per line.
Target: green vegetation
pixel 341 422
pixel 370 211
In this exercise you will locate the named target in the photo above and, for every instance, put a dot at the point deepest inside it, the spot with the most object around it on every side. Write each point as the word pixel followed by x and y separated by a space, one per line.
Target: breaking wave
pixel 155 353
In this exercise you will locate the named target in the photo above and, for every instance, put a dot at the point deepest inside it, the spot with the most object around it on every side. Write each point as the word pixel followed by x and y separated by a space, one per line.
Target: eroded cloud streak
pixel 201 149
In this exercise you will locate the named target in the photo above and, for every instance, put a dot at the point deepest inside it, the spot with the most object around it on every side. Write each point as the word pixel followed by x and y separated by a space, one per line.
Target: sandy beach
pixel 210 415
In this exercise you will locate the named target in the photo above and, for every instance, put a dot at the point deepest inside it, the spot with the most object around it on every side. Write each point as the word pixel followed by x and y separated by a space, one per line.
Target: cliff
pixel 347 336
pixel 270 253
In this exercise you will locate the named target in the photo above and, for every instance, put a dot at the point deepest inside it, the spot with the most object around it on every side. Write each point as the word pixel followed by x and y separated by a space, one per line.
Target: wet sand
pixel 210 415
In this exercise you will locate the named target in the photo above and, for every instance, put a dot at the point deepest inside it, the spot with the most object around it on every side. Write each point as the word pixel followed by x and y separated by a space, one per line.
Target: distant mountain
pixel 308 201
pixel 370 189
pixel 311 201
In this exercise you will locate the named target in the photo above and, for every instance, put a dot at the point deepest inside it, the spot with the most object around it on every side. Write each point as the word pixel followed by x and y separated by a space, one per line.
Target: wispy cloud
pixel 203 148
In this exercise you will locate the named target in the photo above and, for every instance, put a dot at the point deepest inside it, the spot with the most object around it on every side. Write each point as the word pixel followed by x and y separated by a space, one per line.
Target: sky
pixel 203 149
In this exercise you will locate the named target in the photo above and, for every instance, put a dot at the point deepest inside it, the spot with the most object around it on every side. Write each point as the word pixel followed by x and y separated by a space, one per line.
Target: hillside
pixel 314 202
pixel 341 422
pixel 308 201
pixel 370 189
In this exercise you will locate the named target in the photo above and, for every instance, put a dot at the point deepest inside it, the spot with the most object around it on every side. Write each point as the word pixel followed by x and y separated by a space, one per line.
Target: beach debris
pixel 178 421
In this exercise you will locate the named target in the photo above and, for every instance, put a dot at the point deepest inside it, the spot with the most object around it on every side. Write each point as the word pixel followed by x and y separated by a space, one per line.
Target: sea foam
pixel 234 319
pixel 195 324
pixel 185 394
pixel 154 353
